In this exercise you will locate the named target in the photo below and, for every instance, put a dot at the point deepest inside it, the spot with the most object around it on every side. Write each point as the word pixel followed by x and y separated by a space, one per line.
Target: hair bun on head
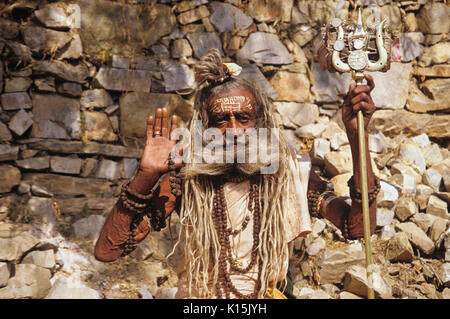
pixel 211 68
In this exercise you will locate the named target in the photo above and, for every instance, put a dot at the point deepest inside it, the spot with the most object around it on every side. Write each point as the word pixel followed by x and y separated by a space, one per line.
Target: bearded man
pixel 237 224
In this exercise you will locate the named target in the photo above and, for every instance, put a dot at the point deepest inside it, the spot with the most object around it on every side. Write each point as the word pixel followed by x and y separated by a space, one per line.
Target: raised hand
pixel 358 98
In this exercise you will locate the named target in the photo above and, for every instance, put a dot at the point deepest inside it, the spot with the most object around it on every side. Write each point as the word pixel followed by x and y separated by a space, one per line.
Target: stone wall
pixel 78 80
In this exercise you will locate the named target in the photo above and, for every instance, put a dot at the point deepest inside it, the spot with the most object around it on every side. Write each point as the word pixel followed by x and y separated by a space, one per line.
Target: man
pixel 237 224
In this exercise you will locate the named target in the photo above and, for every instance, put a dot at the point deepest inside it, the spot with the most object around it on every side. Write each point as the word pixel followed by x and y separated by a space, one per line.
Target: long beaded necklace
pixel 224 283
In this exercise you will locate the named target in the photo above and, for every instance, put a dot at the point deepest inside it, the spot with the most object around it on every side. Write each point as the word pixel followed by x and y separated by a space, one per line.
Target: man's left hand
pixel 358 98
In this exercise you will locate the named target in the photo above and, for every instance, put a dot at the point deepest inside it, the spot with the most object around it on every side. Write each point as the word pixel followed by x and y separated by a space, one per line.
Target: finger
pixel 361 89
pixel 350 91
pixel 149 133
pixel 158 116
pixel 173 127
pixel 370 81
pixel 363 106
pixel 164 122
pixel 360 97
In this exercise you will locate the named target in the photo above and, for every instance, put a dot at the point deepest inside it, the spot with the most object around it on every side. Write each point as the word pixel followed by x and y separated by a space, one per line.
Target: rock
pixel 160 51
pixel 411 154
pixel 438 90
pixel 177 76
pixel 432 155
pixel 311 130
pixel 41 258
pixel 109 169
pixel 124 80
pixel 66 165
pixel 42 40
pixel 405 208
pixel 55 117
pixel 432 178
pixel 17 84
pixel 320 148
pixel 421 139
pixel 423 194
pixel 136 107
pixel 292 87
pixel 193 15
pixel 129 167
pixel 446 293
pixel 445 274
pixel 397 78
pixel 5 134
pixel 98 127
pixel 424 221
pixel 63 288
pixel 95 98
pixel 252 73
pixel 145 26
pixel 439 70
pixel 355 281
pixel 299 114
pixel 439 226
pixel 411 22
pixel 437 207
pixel 264 48
pixel 227 17
pixel 45 84
pixel 4 274
pixel 12 249
pixel 78 206
pixel 435 54
pixel 16 101
pixel 59 16
pixel 181 48
pixel 375 143
pixel 42 209
pixel 89 227
pixel 329 87
pixel 340 186
pixel 35 163
pixel 21 122
pixel 399 249
pixel 144 293
pixel 68 185
pixel 338 163
pixel 9 29
pixel 316 294
pixel 336 135
pixel 10 178
pixel 348 295
pixel 334 263
pixel 22 52
pixel 417 237
pixel 304 35
pixel 8 152
pixel 87 148
pixel 66 71
pixel 387 232
pixel 201 42
pixel 167 293
pixel 419 102
pixel 433 18
pixel 120 62
pixel 446 178
pixel 384 216
pixel 392 15
pixel 268 11
pixel 144 250
pixel 89 165
pixel 30 281
pixel 387 196
pixel 145 63
pixel 406 182
pixel 73 89
pixel 315 246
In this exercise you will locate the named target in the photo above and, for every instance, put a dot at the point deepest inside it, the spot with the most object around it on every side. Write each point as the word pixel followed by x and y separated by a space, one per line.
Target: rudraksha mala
pixel 174 179
pixel 355 193
pixel 220 221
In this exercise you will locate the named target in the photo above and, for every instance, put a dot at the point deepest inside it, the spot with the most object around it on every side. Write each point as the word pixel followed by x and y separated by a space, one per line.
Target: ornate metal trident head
pixel 350 48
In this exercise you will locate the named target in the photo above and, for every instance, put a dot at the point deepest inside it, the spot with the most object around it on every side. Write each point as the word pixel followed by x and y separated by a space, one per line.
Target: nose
pixel 234 126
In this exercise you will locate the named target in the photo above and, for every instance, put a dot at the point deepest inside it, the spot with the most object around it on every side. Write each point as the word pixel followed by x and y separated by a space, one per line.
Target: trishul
pixel 358 62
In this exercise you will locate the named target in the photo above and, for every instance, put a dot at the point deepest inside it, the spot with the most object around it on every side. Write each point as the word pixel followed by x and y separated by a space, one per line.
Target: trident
pixel 358 62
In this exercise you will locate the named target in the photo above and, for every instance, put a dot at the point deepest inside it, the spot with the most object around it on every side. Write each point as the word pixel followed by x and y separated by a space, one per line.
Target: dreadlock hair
pixel 201 244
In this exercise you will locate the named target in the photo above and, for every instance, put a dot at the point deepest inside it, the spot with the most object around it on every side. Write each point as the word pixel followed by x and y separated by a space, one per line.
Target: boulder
pixel 439 226
pixel 292 87
pixel 66 71
pixel 264 48
pixel 69 88
pixel 355 281
pixel 251 73
pixel 384 216
pixel 109 170
pixel 8 152
pixel 311 130
pixel 16 101
pixel 35 163
pixel 12 249
pixel 10 177
pixel 399 249
pixel 299 114
pixel 417 237
pixel 201 42
pixel 89 227
pixel 123 79
pixel 227 17
pixel 329 87
pixel 411 154
pixel 144 250
pixel 95 98
pixel 423 193
pixel 41 258
pixel 405 208
pixel 419 102
pixel 55 116
pixel 59 15
pixel 45 84
pixel 177 76
pixel 30 281
pixel 320 148
pixel 17 84
pixel 98 127
pixel 340 186
pixel 445 274
pixel 424 221
pixel 433 179
pixel 433 18
pixel 9 29
pixel 129 167
pixel 5 134
pixel 42 209
pixel 338 163
pixel 438 90
pixel 64 288
pixel 4 274
pixel 66 165
pixel 181 48
pixel 334 263
pixel 21 122
pixel 268 11
pixel 437 207
pixel 43 40
pixel 410 48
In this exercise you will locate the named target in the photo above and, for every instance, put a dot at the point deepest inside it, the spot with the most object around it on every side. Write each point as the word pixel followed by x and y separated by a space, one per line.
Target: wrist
pixel 144 181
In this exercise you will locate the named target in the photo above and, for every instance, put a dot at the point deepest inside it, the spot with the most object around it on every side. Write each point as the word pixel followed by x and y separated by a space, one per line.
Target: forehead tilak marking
pixel 231 103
